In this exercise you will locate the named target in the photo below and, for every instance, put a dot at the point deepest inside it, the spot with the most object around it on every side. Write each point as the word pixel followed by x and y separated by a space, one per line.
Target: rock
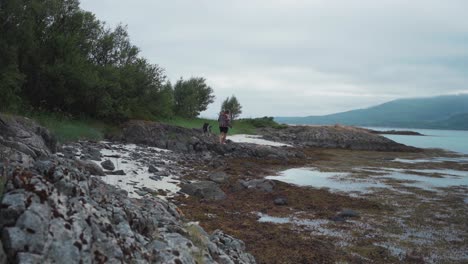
pixel 61 215
pixel 108 165
pixel 141 193
pixel 348 213
pixel 155 178
pixel 28 258
pixel 204 189
pixel 14 205
pixel 93 154
pixel 91 167
pixel 233 248
pixel 281 201
pixel 343 137
pixel 338 218
pixel 3 257
pixel 152 169
pixel 118 172
pixel 259 184
pixel 22 140
pixel 219 177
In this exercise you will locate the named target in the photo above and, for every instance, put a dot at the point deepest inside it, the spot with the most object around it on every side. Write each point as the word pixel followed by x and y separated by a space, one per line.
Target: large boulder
pixel 219 177
pixel 22 140
pixel 187 140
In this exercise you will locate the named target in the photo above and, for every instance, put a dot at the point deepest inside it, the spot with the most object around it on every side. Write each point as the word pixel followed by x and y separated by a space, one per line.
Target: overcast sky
pixel 298 57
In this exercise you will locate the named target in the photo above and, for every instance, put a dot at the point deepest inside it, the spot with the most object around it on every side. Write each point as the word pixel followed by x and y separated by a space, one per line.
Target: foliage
pixel 56 57
pixel 233 106
pixel 192 97
pixel 263 122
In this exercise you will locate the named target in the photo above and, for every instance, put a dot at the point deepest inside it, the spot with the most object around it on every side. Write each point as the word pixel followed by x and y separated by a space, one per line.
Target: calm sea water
pixel 453 140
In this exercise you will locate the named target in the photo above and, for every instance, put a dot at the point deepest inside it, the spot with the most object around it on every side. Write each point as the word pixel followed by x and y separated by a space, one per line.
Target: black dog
pixel 206 128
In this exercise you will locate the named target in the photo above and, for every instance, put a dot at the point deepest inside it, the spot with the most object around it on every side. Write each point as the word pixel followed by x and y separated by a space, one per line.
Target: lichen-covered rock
pixel 56 212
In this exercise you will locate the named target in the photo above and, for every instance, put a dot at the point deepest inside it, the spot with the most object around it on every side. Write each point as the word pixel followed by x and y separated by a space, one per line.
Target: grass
pixel 69 129
pixel 241 126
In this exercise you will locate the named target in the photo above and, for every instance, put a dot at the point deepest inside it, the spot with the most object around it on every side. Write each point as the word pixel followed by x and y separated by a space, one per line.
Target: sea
pixel 452 140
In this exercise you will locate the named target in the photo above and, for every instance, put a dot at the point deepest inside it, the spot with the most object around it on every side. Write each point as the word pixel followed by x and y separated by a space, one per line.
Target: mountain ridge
pixel 440 112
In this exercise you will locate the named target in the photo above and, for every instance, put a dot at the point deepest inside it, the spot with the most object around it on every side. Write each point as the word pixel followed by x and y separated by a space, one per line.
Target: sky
pixel 302 57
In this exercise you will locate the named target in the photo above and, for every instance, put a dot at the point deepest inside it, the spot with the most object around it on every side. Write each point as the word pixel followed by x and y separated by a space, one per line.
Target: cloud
pixel 302 57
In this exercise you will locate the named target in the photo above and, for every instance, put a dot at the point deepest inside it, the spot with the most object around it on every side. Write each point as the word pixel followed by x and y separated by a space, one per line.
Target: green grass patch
pixel 241 126
pixel 68 129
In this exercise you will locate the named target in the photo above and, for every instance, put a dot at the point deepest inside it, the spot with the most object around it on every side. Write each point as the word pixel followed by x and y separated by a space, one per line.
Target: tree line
pixel 54 56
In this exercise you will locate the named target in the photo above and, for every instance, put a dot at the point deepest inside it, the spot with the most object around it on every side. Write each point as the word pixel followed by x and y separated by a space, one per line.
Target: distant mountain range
pixel 441 112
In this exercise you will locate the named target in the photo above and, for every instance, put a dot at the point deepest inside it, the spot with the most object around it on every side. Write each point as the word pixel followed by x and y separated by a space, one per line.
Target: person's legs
pixel 221 136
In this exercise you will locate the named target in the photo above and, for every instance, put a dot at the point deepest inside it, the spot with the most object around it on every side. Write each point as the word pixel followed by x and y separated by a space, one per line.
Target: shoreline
pixel 281 222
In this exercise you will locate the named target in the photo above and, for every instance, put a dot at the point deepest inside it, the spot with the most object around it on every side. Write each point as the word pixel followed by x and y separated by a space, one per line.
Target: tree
pixel 233 106
pixel 192 97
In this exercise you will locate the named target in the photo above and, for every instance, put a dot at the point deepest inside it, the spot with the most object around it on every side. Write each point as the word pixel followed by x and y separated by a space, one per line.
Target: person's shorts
pixel 223 129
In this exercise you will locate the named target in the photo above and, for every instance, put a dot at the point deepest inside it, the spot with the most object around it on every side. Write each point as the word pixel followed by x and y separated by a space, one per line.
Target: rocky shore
pixel 113 202
pixel 54 211
pixel 335 137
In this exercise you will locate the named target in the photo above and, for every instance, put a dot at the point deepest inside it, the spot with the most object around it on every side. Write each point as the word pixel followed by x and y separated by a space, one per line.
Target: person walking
pixel 224 125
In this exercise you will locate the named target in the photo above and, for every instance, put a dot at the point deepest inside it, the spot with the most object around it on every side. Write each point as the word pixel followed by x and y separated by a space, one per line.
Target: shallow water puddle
pixel 317 226
pixel 433 160
pixel 255 139
pixel 447 178
pixel 337 181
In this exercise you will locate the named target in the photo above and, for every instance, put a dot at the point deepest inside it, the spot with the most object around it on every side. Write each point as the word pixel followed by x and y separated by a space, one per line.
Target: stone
pixel 13 204
pixel 119 172
pixel 338 218
pixel 348 213
pixel 204 189
pixel 152 169
pixel 219 177
pixel 3 257
pixel 27 258
pixel 280 201
pixel 259 184
pixel 94 154
pixel 91 167
pixel 108 165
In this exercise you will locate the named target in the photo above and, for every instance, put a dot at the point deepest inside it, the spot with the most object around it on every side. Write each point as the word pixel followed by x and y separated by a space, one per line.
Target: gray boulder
pixel 108 165
pixel 204 189
pixel 280 201
pixel 91 167
pixel 26 136
pixel 232 247
pixel 259 184
pixel 152 169
pixel 219 177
